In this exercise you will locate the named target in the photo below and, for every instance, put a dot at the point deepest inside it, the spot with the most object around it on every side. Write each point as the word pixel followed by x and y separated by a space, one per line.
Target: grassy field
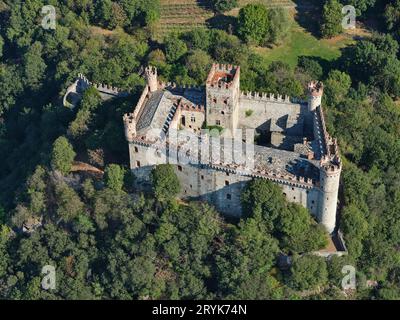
pixel 183 15
pixel 302 43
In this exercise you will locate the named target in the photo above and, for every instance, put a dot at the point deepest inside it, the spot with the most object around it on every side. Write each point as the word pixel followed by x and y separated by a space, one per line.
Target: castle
pixel 292 148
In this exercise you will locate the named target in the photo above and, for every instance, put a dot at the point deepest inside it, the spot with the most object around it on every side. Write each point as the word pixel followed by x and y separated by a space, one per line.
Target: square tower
pixel 222 96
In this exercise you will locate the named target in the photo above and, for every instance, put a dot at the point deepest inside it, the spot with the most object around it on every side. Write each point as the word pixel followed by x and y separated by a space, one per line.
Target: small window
pixel 215 100
pixel 138 164
pixel 226 101
pixel 294 198
pixel 193 119
pixel 227 174
pixel 229 196
pixel 202 177
pixel 191 187
pixel 218 122
pixel 313 202
pixel 136 149
pixel 222 112
pixel 226 182
pixel 292 189
pixel 180 168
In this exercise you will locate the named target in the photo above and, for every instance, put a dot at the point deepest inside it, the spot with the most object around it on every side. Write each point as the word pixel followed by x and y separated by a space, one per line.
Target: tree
pixel 11 86
pixel 361 5
pixel 332 19
pixel 34 66
pixel 337 87
pixel 90 101
pixel 224 5
pixel 311 67
pixel 308 273
pixel 157 58
pixel 114 177
pixel 1 46
pixel 62 155
pixel 69 205
pixel 246 258
pixel 279 24
pixel 166 184
pixel 374 61
pixel 300 233
pixel 118 16
pixel 355 228
pixel 198 63
pixel 392 16
pixel 253 23
pixel 198 38
pixel 175 48
pixel 263 198
pixel 36 187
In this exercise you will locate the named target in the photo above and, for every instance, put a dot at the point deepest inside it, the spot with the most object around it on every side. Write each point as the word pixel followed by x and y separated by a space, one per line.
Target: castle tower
pixel 130 126
pixel 222 96
pixel 329 186
pixel 151 77
pixel 315 92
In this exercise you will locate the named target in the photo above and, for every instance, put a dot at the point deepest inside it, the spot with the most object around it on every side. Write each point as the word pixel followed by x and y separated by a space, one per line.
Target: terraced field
pixel 183 15
pixel 270 3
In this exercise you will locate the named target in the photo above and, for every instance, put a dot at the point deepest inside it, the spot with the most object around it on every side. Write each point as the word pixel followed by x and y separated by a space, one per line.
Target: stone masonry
pixel 292 148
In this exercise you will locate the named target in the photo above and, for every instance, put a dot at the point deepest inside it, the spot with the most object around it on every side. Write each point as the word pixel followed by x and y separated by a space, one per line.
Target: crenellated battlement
pixel 103 88
pixel 130 126
pixel 223 76
pixel 268 97
pixel 316 88
pixel 308 175
pixel 151 77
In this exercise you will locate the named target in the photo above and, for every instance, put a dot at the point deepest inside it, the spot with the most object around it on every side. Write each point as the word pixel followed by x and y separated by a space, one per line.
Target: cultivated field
pixel 183 15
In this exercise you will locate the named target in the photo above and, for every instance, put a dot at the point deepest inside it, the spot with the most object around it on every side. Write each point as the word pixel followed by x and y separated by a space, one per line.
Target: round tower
pixel 151 77
pixel 130 126
pixel 315 92
pixel 329 188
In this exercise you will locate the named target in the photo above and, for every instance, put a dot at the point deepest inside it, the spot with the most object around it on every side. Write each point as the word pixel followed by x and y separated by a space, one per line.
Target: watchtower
pixel 222 96
pixel 315 93
pixel 151 77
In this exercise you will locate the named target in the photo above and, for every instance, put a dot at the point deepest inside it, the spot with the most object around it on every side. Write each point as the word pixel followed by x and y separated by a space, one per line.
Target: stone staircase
pixel 169 118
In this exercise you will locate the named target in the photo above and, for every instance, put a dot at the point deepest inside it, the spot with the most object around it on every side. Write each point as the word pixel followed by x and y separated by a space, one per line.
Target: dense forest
pixel 106 240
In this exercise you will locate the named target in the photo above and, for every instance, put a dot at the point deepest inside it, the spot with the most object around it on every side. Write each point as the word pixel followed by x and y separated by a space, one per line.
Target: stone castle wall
pixel 222 188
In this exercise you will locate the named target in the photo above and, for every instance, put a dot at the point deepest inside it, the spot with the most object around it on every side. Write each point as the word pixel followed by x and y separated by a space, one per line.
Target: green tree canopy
pixel 62 155
pixel 224 5
pixel 308 272
pixel 253 23
pixel 114 177
pixel 332 19
pixel 166 184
